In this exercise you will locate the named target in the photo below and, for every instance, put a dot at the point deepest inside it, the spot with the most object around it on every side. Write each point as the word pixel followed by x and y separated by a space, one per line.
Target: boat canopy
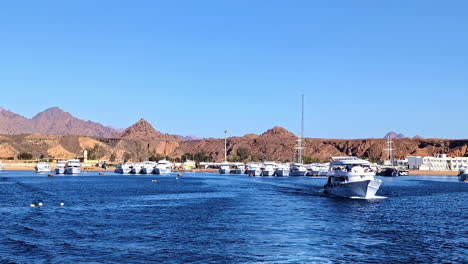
pixel 347 160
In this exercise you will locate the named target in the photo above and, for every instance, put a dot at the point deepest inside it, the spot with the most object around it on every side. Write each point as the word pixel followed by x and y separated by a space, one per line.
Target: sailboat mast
pixel 300 145
pixel 225 145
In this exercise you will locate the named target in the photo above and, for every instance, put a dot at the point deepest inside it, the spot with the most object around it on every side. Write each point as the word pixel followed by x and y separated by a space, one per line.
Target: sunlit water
pixel 209 218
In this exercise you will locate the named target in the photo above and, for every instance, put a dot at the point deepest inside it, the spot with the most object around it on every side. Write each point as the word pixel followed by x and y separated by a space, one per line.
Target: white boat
pixel 163 167
pixel 148 167
pixel 136 168
pixel 463 174
pixel 224 168
pixel 240 169
pixel 254 169
pixel 60 168
pixel 298 169
pixel 42 167
pixel 1 166
pixel 73 166
pixel 123 168
pixel 282 170
pixel 269 168
pixel 351 177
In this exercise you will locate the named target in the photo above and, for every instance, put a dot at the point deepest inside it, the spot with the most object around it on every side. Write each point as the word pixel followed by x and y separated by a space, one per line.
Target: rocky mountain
pixel 53 121
pixel 394 135
pixel 141 141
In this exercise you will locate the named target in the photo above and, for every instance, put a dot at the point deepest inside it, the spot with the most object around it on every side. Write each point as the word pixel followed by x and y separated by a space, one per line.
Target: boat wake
pixel 368 198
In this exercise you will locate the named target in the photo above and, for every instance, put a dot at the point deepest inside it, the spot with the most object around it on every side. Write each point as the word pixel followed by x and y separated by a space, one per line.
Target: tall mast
pixel 389 150
pixel 301 136
pixel 225 145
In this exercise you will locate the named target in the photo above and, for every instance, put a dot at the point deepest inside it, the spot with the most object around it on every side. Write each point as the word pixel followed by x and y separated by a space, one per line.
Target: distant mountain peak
pixel 140 130
pixel 2 109
pixel 394 135
pixel 53 113
pixel 278 131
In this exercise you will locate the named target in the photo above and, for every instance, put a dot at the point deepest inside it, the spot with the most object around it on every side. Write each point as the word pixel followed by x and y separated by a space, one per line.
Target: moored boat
pixel 163 167
pixel 254 169
pixel 298 169
pixel 1 166
pixel 351 177
pixel 224 168
pixel 60 168
pixel 240 169
pixel 282 170
pixel 148 167
pixel 42 167
pixel 73 166
pixel 136 168
pixel 269 168
pixel 123 168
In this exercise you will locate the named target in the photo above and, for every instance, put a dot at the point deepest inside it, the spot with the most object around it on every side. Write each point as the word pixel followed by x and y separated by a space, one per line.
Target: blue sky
pixel 197 67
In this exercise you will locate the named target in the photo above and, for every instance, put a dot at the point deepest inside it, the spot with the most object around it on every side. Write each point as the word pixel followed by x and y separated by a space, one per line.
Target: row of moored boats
pixel 147 167
pixel 270 168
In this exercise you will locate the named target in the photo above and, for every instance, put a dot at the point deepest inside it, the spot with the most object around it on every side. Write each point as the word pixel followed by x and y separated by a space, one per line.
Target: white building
pixel 440 162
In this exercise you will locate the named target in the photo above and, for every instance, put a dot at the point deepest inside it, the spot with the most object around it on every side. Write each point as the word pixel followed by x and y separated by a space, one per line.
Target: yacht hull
pixel 254 172
pixel 268 173
pixel 147 170
pixel 361 189
pixel 224 171
pixel 239 171
pixel 298 173
pixel 42 169
pixel 72 170
pixel 281 173
pixel 60 171
pixel 162 171
pixel 123 171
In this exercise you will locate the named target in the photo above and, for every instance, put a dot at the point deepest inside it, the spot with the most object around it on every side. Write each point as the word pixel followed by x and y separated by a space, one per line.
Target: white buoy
pixel 40 204
pixel 62 204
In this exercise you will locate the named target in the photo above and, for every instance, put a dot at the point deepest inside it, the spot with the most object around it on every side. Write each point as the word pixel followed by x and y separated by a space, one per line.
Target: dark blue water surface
pixel 209 218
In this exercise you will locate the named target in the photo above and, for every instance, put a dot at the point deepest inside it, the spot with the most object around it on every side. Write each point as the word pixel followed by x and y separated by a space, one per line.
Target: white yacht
pixel 254 169
pixel 136 168
pixel 298 169
pixel 282 170
pixel 352 178
pixel 60 168
pixel 148 167
pixel 224 168
pixel 269 168
pixel 73 166
pixel 42 167
pixel 463 174
pixel 123 168
pixel 1 166
pixel 323 169
pixel 240 169
pixel 163 167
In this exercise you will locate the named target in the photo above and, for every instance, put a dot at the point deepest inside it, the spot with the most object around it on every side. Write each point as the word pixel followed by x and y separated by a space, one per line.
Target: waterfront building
pixel 441 162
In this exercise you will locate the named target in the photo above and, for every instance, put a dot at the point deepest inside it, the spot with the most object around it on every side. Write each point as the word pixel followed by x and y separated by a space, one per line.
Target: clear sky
pixel 197 67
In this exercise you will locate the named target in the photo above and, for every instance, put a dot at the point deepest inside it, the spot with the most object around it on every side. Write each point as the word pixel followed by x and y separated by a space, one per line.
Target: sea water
pixel 210 218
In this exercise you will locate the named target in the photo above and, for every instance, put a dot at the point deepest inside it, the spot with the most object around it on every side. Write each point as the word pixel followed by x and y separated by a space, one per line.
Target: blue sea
pixel 210 218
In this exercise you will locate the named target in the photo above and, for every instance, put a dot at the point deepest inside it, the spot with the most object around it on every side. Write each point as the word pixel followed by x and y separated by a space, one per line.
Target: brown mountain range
pixel 141 141
pixel 52 121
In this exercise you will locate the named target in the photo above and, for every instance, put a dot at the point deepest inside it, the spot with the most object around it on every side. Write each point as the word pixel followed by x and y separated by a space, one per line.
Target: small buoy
pixel 250 175
pixel 32 205
pixel 50 175
pixel 40 204
pixel 180 175
pixel 62 204
pixel 101 173
pixel 38 172
pixel 154 180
